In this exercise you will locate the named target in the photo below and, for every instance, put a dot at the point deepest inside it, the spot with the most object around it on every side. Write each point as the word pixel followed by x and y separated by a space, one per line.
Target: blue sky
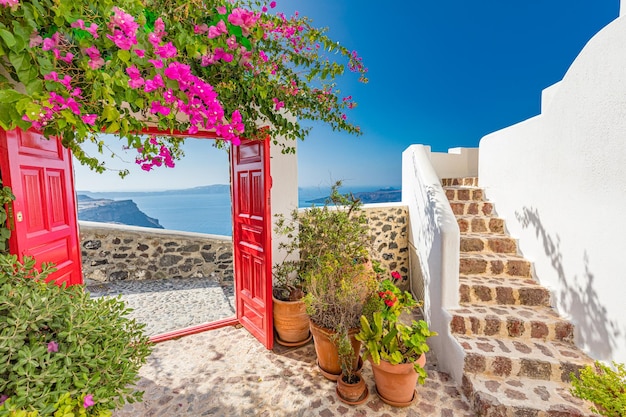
pixel 442 73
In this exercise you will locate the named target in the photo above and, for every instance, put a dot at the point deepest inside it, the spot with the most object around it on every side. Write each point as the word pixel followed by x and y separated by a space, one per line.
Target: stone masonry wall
pixel 112 252
pixel 390 244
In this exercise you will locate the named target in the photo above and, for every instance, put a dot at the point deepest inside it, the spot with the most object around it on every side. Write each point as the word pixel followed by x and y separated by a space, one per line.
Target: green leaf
pixel 10 96
pixel 123 55
pixel 7 37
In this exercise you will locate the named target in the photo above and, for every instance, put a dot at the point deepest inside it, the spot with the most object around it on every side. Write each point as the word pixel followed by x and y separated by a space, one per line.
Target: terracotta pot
pixel 395 384
pixel 291 322
pixel 327 355
pixel 352 394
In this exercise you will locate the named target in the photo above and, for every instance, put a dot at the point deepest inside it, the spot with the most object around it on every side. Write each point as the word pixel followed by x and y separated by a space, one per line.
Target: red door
pixel 252 226
pixel 43 216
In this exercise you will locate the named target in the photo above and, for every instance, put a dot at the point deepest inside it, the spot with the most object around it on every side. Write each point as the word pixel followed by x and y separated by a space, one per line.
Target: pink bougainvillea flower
pixel 166 51
pixel 133 72
pixel 231 42
pixel 154 84
pixel 53 347
pixel 156 62
pixel 3 397
pixel 88 401
pixel 93 29
pixel 278 104
pixel 396 275
pixel 272 4
pixel 35 40
pixel 157 107
pixel 51 42
pixel 221 10
pixel 263 56
pixel 52 75
pixel 200 29
pixel 140 53
pixel 217 30
pixel 136 82
pixel 89 119
pixel 9 3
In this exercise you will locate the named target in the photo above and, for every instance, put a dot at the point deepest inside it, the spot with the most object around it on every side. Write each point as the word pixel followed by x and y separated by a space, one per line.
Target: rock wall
pixel 112 252
pixel 389 223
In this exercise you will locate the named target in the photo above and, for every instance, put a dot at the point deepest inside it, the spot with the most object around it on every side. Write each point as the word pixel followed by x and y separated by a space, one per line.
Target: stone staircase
pixel 518 352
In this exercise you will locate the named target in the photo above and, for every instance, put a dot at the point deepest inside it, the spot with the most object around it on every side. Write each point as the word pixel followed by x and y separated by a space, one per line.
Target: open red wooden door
pixel 43 215
pixel 252 230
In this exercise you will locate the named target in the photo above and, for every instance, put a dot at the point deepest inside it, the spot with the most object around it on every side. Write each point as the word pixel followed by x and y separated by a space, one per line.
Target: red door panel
pixel 252 238
pixel 39 171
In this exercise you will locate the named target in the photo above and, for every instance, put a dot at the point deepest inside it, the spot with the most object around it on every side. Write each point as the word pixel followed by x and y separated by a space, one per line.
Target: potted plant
pixel 340 281
pixel 395 348
pixel 289 311
pixel 351 388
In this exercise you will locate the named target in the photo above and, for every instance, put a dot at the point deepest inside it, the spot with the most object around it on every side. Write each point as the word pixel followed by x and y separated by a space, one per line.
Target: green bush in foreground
pixel 603 386
pixel 62 353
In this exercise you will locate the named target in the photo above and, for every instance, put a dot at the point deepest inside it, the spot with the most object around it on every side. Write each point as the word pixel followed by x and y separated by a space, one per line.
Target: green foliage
pixel 65 407
pixel 300 71
pixel 385 336
pixel 6 197
pixel 57 345
pixel 347 355
pixel 603 386
pixel 332 241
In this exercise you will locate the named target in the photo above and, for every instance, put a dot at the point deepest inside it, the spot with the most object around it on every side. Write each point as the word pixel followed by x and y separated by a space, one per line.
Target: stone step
pixel 494 264
pixel 505 358
pixel 480 224
pixel 461 193
pixel 522 397
pixel 524 322
pixel 469 181
pixel 478 208
pixel 488 242
pixel 482 289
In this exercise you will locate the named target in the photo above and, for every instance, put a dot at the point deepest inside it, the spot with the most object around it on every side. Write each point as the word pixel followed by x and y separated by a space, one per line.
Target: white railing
pixel 434 240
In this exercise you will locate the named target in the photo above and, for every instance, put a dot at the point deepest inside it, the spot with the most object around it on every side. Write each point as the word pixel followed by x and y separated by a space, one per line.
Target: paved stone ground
pixel 226 372
pixel 170 304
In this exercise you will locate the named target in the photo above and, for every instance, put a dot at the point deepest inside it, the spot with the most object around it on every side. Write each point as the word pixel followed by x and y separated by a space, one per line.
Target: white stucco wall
pixel 434 241
pixel 456 163
pixel 284 192
pixel 559 180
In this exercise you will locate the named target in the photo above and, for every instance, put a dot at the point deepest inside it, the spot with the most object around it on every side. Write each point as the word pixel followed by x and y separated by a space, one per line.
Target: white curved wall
pixel 559 180
pixel 433 252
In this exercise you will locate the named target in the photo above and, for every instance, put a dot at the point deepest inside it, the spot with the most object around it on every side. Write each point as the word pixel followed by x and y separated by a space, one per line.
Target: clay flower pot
pixel 395 384
pixel 352 394
pixel 291 322
pixel 327 355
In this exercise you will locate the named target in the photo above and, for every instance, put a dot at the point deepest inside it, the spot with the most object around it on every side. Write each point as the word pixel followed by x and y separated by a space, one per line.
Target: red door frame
pixel 268 339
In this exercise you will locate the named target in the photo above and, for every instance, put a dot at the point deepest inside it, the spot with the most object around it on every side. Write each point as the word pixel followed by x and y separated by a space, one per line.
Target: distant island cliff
pixel 385 195
pixel 113 211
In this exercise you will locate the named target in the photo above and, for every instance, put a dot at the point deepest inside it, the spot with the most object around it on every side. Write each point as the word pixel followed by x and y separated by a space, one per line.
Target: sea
pixel 203 212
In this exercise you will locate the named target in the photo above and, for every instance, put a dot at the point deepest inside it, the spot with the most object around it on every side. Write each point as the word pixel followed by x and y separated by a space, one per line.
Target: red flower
pixel 396 275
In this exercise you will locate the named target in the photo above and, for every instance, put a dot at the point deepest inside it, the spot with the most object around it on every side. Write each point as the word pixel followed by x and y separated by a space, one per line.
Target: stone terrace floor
pixel 227 372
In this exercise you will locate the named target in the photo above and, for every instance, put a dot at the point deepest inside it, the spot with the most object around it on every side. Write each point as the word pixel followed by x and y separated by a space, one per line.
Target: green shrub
pixel 603 386
pixel 58 346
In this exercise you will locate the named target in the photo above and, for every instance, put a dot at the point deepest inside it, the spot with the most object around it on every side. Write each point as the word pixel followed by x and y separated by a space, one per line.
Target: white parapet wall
pixel 559 181
pixel 434 252
pixel 456 163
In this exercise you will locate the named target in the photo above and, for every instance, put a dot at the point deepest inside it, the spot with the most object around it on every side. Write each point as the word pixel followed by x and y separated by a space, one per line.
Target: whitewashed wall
pixel 559 180
pixel 284 192
pixel 433 252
